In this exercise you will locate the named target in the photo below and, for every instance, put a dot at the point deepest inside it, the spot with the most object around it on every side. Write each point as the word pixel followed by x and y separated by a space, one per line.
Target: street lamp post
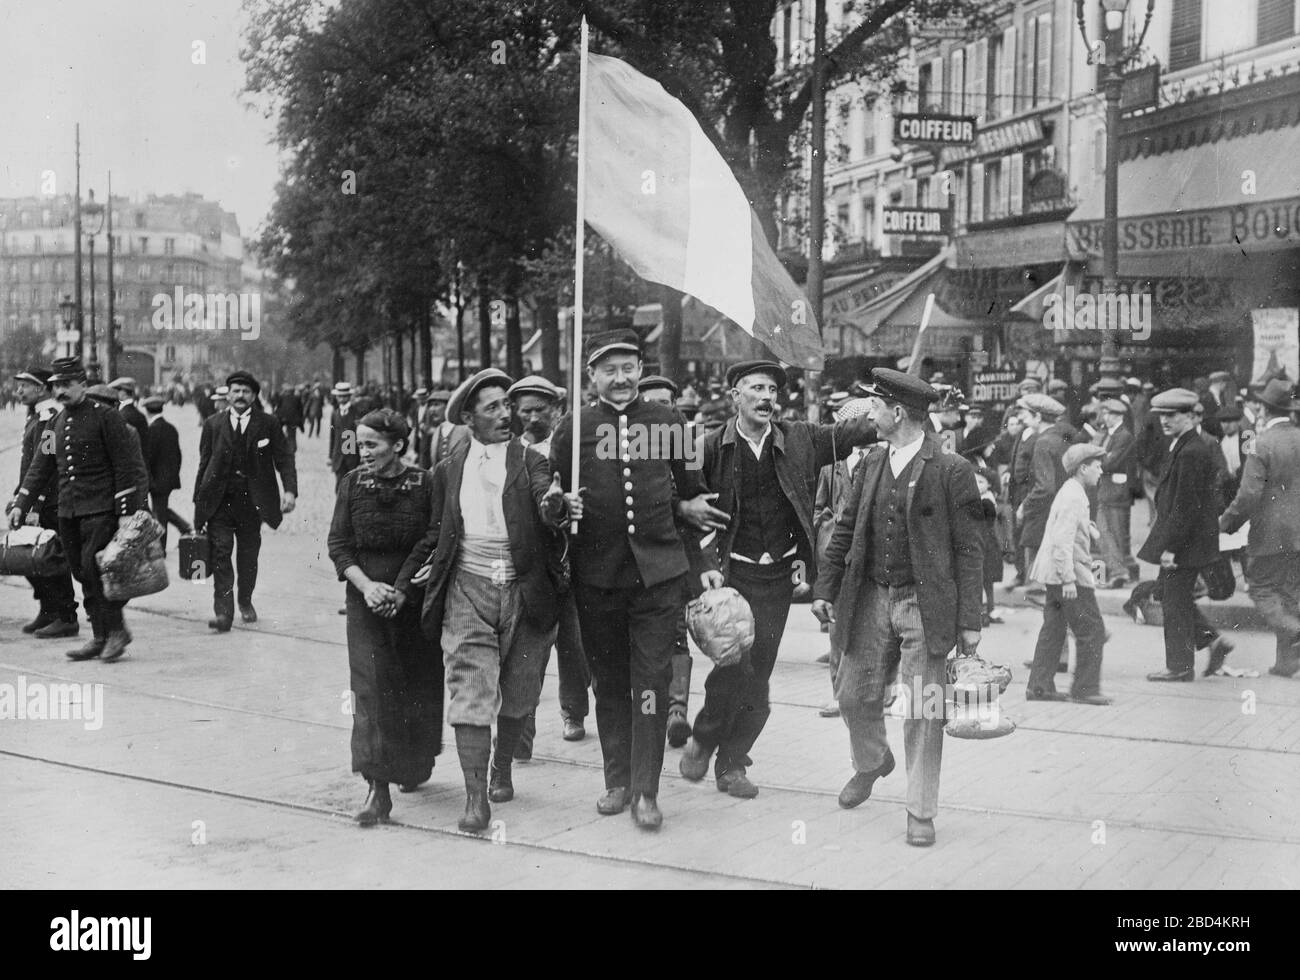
pixel 95 212
pixel 1116 56
pixel 68 313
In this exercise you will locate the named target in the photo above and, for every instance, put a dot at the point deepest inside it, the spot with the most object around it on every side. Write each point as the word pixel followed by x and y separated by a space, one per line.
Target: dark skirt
pixel 397 688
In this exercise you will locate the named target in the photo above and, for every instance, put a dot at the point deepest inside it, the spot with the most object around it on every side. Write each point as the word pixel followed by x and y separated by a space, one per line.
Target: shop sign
pixel 999 387
pixel 1010 136
pixel 923 127
pixel 916 221
pixel 1239 225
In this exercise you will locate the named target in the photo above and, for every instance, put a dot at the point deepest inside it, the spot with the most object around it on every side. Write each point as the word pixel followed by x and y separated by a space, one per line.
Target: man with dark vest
pixel 1114 495
pixel 102 482
pixel 240 452
pixel 125 389
pixel 57 616
pixel 163 457
pixel 344 455
pixel 1185 536
pixel 629 563
pixel 903 584
pixel 442 435
pixel 763 470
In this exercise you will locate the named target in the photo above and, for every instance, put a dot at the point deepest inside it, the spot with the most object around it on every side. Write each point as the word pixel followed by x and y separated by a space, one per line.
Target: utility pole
pixel 816 192
pixel 76 223
pixel 111 358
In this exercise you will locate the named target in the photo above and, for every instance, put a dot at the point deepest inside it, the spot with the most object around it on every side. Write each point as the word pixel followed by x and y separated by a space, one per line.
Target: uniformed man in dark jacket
pixel 58 611
pixel 102 482
pixel 629 563
pixel 163 456
pixel 1185 536
pixel 764 471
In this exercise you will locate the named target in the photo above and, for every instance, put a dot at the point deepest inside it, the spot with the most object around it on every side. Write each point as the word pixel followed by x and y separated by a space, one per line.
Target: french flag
pixel 660 193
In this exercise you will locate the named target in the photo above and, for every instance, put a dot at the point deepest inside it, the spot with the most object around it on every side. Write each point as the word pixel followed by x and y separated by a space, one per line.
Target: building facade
pixel 165 247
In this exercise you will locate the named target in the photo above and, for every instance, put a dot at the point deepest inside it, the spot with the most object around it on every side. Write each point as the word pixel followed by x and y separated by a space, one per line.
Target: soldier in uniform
pixel 629 565
pixel 102 482
pixel 58 610
pixel 764 471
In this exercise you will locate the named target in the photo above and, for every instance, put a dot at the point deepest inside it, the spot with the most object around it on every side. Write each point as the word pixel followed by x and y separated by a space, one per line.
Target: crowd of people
pixel 469 554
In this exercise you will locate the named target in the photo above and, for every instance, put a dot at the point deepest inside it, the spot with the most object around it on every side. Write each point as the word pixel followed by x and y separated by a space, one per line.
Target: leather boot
pixel 116 644
pixel 501 789
pixel 42 620
pixel 94 646
pixel 379 804
pixel 474 746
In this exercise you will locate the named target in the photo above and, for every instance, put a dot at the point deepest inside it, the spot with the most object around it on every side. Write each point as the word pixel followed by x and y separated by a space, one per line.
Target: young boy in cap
pixel 1064 566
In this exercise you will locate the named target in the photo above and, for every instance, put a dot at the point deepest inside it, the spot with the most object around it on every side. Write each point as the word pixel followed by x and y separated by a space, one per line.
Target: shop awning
pixel 1179 211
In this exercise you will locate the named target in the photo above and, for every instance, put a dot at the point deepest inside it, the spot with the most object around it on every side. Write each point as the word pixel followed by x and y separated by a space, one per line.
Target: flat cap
pixel 1031 384
pixel 1220 376
pixel 123 384
pixel 652 381
pixel 1133 383
pixel 1175 400
pixel 906 390
pixel 463 396
pixel 1115 405
pixel 1080 453
pixel 852 409
pixel 1057 384
pixel 623 340
pixel 103 393
pixel 1044 405
pixel 1110 386
pixel 535 384
pixel 440 395
pixel 154 403
pixel 745 368
pixel 39 375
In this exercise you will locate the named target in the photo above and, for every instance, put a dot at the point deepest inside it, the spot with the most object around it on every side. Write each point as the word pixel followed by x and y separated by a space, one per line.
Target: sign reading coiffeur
pixel 919 127
pixel 916 221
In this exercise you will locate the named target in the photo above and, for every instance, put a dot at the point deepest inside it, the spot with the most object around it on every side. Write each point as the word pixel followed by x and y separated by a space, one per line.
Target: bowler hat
pixel 624 340
pixel 243 378
pixel 906 390
pixel 463 397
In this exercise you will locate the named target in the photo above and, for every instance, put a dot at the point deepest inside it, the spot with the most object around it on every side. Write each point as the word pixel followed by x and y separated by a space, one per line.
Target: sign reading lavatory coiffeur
pixel 998 388
pixel 1277 341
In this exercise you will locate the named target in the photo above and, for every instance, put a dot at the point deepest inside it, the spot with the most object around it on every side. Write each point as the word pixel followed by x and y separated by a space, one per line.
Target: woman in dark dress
pixel 382 510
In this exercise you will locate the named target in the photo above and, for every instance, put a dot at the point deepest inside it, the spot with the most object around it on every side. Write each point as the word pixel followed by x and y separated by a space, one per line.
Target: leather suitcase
pixel 34 551
pixel 195 557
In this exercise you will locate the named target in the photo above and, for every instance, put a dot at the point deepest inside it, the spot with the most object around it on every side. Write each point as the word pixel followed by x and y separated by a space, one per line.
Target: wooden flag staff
pixel 575 349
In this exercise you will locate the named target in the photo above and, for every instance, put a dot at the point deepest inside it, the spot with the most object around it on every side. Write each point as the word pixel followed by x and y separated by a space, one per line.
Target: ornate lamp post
pixel 1116 56
pixel 95 213
pixel 68 314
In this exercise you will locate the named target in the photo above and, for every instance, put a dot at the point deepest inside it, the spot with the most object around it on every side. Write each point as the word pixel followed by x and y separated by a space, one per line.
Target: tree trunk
pixel 484 325
pixel 514 339
pixel 336 368
pixel 548 322
pixel 670 338
pixel 360 354
pixel 399 362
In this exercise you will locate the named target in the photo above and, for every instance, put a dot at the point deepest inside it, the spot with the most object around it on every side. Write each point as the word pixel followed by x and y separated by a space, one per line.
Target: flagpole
pixel 575 348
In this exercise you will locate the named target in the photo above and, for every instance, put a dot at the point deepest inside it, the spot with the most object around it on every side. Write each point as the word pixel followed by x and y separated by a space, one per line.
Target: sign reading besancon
pixel 919 127
pixel 916 221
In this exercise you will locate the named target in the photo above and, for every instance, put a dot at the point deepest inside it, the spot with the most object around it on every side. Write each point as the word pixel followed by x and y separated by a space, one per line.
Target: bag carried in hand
pixel 1220 580
pixel 34 551
pixel 195 556
pixel 973 711
pixel 722 625
pixel 132 564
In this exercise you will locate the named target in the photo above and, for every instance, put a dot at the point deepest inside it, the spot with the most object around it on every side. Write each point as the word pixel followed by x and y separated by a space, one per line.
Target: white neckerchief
pixel 484 465
pixel 900 456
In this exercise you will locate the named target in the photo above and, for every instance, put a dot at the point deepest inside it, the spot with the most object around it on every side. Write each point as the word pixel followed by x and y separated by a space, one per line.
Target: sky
pixel 125 69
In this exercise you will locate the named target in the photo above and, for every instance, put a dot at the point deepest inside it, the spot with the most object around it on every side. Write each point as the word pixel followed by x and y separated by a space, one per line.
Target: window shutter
pixel 1043 71
pixel 959 198
pixel 1005 104
pixel 1185 34
pixel 938 97
pixel 956 87
pixel 909 193
pixel 1275 20
pixel 976 193
pixel 979 74
pixel 1015 166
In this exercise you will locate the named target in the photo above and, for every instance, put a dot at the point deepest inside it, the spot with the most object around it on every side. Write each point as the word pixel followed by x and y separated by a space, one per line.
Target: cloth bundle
pixel 132 564
pixel 722 625
pixel 974 686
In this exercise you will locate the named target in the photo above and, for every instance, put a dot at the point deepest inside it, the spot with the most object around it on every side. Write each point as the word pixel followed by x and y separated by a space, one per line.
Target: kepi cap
pixel 906 390
pixel 624 340
pixel 68 369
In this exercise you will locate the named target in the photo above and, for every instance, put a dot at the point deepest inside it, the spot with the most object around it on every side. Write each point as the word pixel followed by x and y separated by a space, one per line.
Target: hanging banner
pixel 1277 342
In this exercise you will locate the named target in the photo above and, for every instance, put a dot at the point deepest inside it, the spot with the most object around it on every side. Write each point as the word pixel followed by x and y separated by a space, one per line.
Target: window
pixel 13 270
pixel 955 96
pixel 169 246
pixel 13 297
pixel 868 219
pixel 117 244
pixel 58 270
pixel 23 219
pixel 869 131
pixel 145 271
pixel 1185 34
pixel 45 217
pixel 1040 58
pixel 144 245
pixel 36 270
pixel 13 322
pixel 1002 75
pixel 36 322
pixel 171 271
pixel 1275 20
pixel 143 298
pixel 977 56
pixel 924 86
pixel 842 222
pixel 36 244
pixel 139 219
pixel 994 197
pixel 169 354
pixel 36 297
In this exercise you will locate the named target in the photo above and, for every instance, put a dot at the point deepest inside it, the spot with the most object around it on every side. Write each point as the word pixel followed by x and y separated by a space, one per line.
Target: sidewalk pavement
pixel 222 761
